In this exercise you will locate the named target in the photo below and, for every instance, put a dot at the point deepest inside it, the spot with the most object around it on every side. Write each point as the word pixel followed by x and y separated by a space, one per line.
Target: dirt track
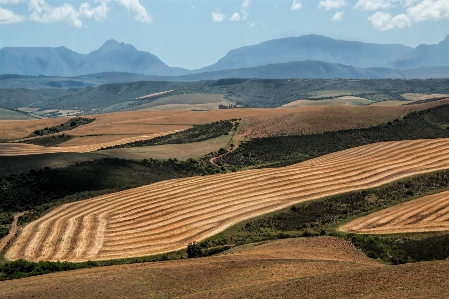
pixel 165 216
pixel 428 213
pixel 12 231
pixel 23 149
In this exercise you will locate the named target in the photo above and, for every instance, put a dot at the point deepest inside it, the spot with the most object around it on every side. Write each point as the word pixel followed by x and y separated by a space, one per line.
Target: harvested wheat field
pixel 425 214
pixel 165 216
pixel 22 149
pixel 320 267
pixel 318 119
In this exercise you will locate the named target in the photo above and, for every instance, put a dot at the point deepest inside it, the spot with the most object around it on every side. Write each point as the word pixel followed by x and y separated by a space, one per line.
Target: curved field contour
pixel 425 214
pixel 165 216
pixel 22 149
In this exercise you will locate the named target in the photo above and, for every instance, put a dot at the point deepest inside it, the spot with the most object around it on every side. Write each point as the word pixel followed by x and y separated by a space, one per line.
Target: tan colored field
pixel 22 149
pixel 321 267
pixel 185 102
pixel 154 94
pixel 425 214
pixel 420 96
pixel 318 119
pixel 256 122
pixel 340 101
pixel 166 151
pixel 165 216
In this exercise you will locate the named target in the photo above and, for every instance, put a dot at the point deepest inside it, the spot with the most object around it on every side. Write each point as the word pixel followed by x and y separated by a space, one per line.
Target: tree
pixel 194 250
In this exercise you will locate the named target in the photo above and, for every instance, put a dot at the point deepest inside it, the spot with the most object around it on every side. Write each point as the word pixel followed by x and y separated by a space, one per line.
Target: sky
pixel 194 34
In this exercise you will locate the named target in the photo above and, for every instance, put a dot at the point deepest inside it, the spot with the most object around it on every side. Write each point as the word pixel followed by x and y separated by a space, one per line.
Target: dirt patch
pixel 12 232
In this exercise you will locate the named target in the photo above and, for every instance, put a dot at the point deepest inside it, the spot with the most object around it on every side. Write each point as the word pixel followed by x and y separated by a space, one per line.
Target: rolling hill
pixel 60 61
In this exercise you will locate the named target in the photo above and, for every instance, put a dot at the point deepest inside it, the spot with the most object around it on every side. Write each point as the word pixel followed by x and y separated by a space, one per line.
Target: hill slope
pixel 112 56
pixel 165 216
pixel 309 47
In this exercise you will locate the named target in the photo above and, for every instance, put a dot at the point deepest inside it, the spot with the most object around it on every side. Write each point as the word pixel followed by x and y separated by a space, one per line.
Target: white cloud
pixel 338 16
pixel 8 17
pixel 244 9
pixel 218 17
pixel 385 21
pixel 251 24
pixel 296 5
pixel 11 1
pixel 373 4
pixel 137 8
pixel 332 4
pixel 424 10
pixel 235 17
pixel 45 13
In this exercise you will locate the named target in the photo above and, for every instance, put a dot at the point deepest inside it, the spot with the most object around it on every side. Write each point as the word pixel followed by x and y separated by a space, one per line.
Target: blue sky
pixel 193 34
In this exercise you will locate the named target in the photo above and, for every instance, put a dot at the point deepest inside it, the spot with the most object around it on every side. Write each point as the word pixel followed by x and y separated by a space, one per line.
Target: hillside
pixel 312 268
pixel 127 224
pixel 110 57
pixel 309 47
pixel 425 55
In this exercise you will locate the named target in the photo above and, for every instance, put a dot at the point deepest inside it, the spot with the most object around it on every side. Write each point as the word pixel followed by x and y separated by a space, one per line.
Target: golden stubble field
pixel 167 215
pixel 425 214
pixel 320 267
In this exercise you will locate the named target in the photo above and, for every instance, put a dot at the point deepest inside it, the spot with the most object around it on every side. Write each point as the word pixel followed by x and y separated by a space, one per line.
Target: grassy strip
pixel 285 150
pixel 68 125
pixel 195 134
pixel 53 140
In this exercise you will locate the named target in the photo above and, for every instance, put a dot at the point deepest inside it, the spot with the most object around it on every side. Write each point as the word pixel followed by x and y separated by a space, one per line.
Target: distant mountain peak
pixel 112 44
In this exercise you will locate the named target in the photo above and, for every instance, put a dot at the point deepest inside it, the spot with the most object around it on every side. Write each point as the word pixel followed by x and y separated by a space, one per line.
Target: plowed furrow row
pixel 428 213
pixel 160 199
pixel 202 198
pixel 181 220
pixel 167 215
pixel 20 149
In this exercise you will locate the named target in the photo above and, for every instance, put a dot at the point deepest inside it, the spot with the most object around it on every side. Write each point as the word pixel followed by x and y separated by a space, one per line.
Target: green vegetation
pixel 398 250
pixel 5 220
pixel 12 114
pixel 22 268
pixel 284 150
pixel 53 140
pixel 195 134
pixel 271 93
pixel 321 216
pixel 68 125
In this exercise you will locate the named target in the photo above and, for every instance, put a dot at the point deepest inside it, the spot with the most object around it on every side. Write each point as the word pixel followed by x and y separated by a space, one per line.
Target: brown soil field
pixel 255 122
pixel 167 215
pixel 166 151
pixel 321 267
pixel 23 149
pixel 318 119
pixel 185 100
pixel 425 214
pixel 420 96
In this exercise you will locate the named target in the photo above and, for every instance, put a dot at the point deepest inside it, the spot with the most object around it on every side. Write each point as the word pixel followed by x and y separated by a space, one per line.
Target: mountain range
pixel 286 57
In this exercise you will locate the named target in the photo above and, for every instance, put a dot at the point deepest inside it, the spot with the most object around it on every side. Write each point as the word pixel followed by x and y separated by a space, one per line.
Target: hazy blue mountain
pixel 319 69
pixel 310 47
pixel 425 55
pixel 112 56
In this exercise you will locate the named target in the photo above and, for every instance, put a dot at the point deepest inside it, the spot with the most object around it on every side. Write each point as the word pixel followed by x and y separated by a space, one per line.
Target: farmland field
pixel 165 216
pixel 426 214
pixel 323 267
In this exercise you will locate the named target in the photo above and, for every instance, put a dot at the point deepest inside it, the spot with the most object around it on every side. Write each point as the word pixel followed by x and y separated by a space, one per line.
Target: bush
pixel 194 250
